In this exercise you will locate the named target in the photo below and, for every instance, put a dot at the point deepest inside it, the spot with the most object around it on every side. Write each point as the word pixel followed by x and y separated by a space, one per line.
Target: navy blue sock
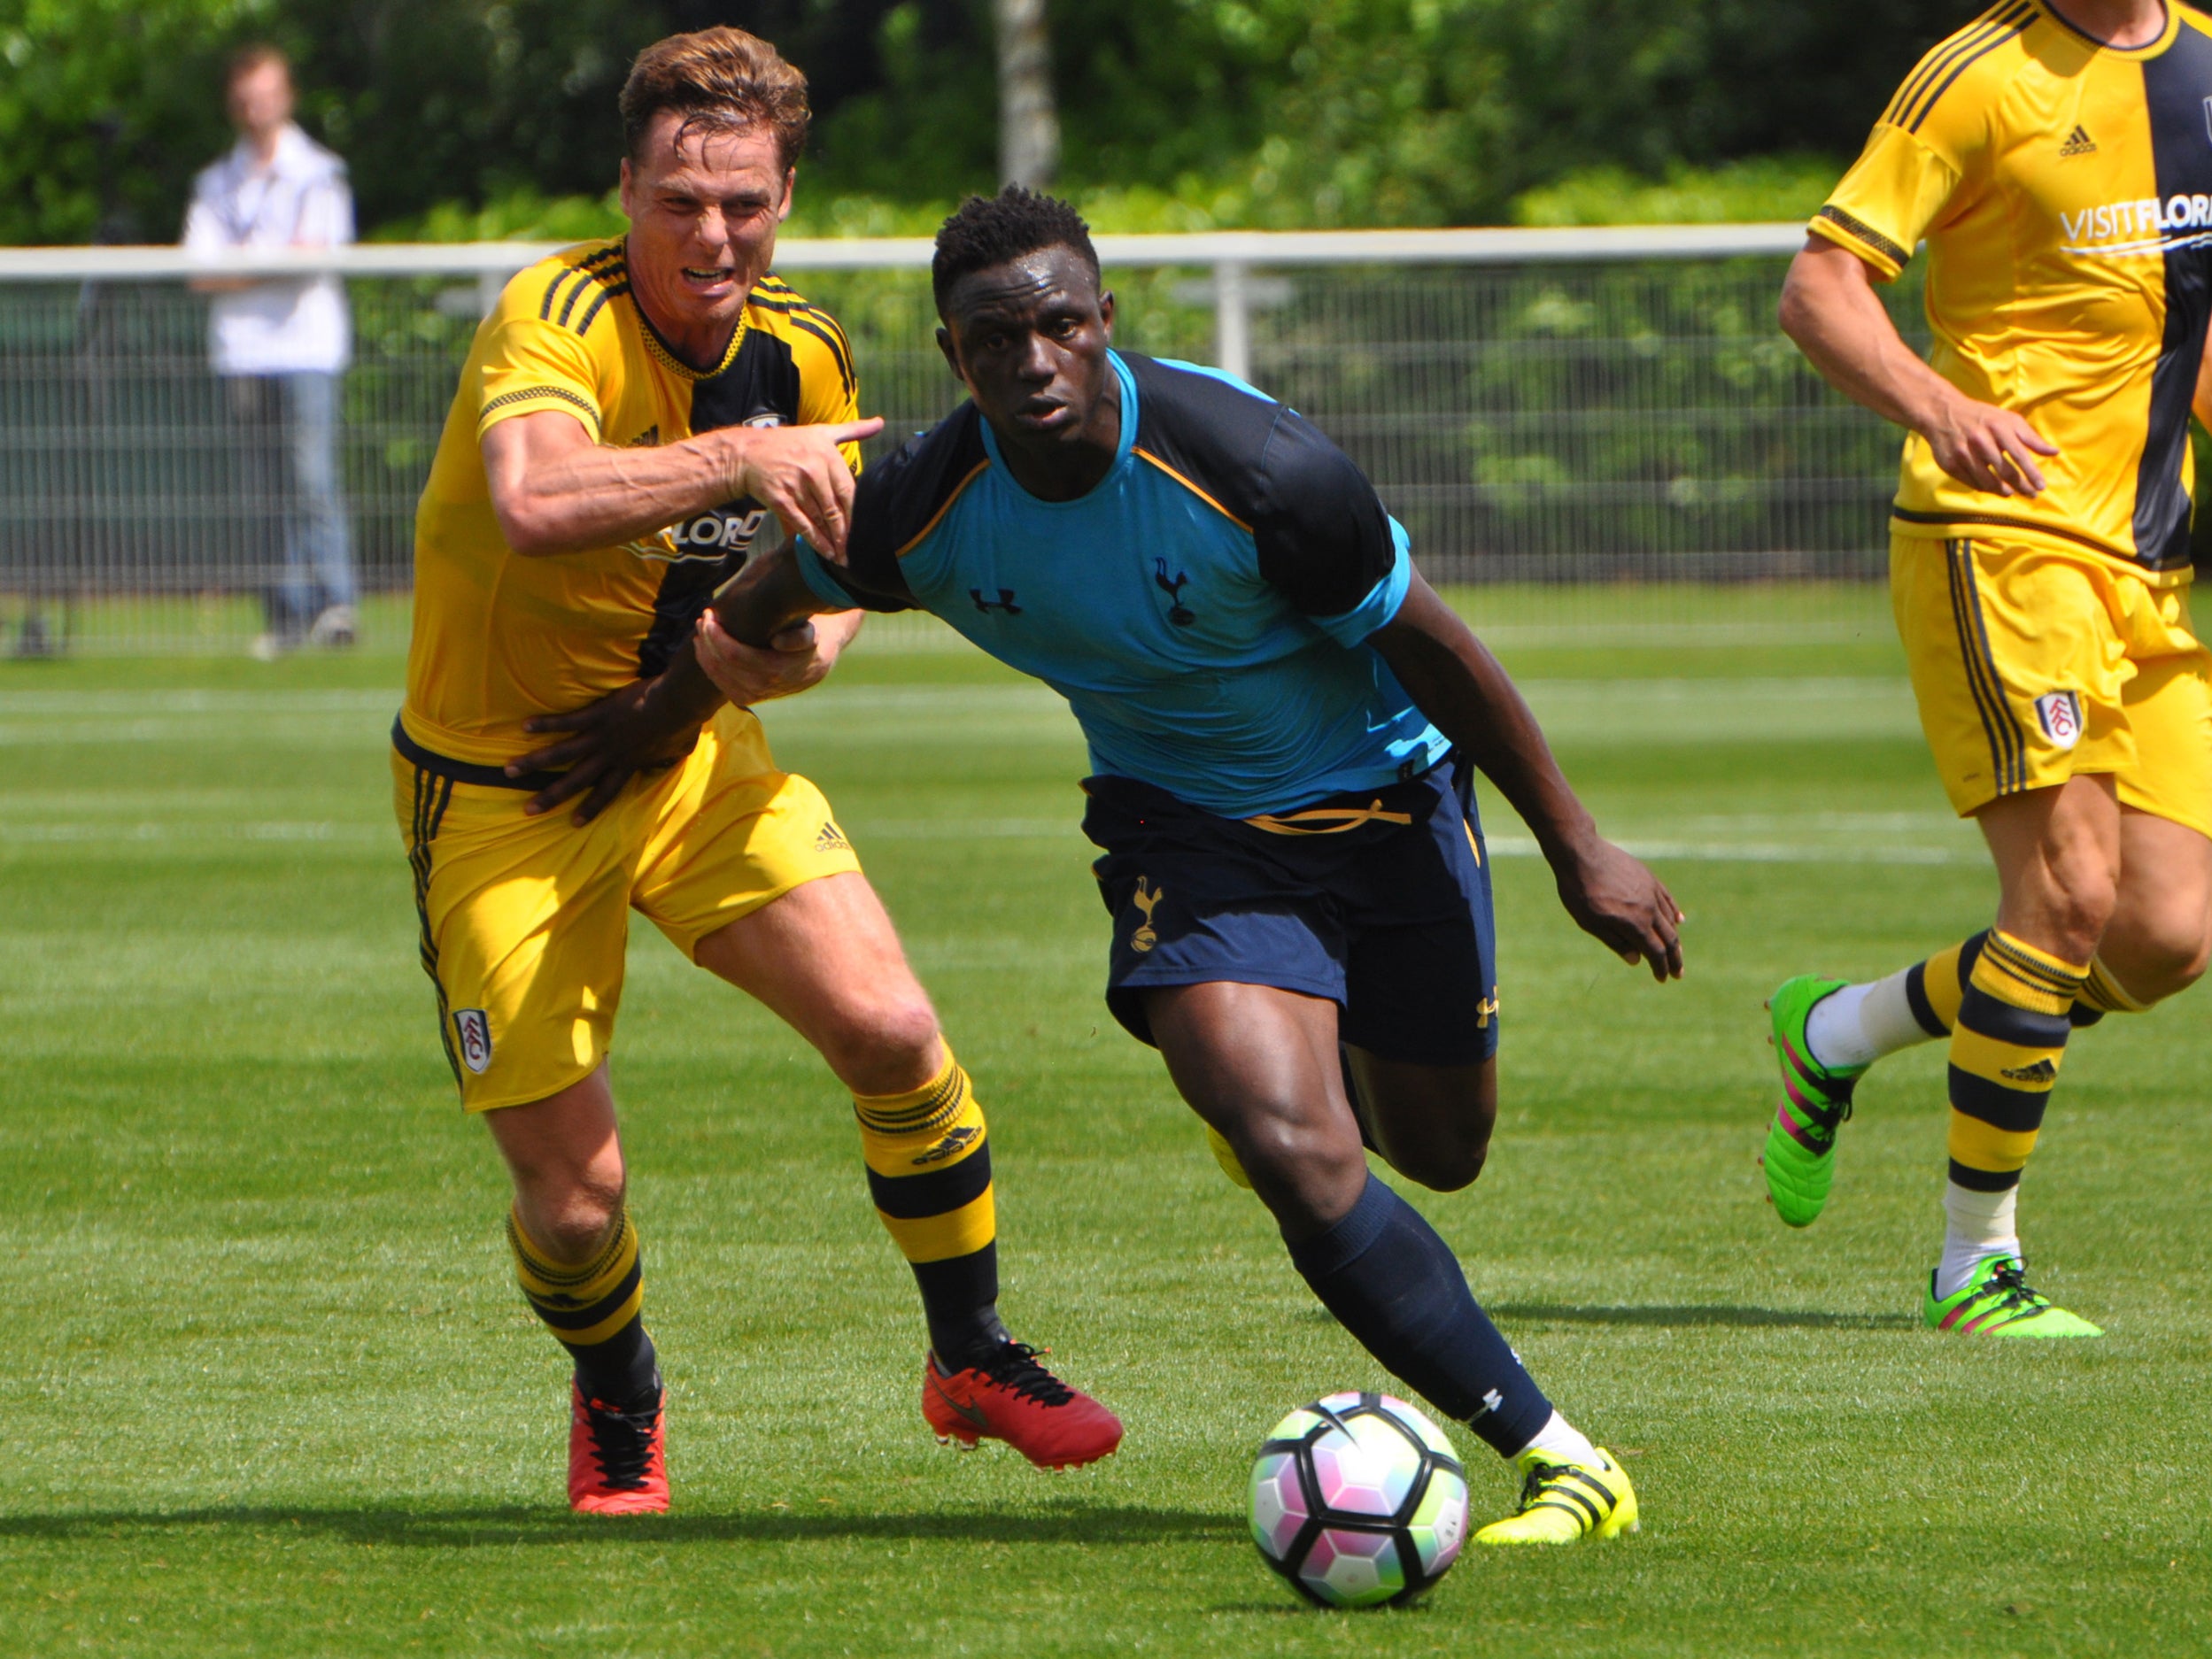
pixel 1396 1285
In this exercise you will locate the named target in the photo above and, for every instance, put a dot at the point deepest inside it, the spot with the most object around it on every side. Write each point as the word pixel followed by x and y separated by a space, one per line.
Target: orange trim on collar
pixel 1193 488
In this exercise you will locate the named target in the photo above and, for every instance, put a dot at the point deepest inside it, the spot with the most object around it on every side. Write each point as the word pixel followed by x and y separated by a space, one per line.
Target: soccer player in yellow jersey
pixel 629 415
pixel 2056 155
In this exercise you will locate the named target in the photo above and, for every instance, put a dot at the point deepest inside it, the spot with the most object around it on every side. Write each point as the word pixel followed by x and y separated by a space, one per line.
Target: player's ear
pixel 951 348
pixel 791 182
pixel 1106 309
pixel 622 192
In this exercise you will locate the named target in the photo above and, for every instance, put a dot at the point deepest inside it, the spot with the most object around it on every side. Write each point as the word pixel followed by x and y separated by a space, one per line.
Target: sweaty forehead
pixel 709 160
pixel 1023 286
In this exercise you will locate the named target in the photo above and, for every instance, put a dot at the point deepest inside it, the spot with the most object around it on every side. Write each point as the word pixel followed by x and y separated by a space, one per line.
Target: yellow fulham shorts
pixel 2032 663
pixel 525 921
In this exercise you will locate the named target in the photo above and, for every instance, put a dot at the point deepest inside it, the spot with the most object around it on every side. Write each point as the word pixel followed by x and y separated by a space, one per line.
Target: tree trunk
pixel 1029 121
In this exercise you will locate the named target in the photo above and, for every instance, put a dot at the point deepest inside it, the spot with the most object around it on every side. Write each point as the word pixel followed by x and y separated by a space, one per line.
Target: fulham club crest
pixel 2060 715
pixel 475 1032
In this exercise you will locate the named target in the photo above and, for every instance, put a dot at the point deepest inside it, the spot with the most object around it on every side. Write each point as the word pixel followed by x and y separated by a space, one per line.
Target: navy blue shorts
pixel 1378 900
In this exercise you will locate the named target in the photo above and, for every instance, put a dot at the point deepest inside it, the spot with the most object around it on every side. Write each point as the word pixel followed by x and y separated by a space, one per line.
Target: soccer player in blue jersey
pixel 1283 721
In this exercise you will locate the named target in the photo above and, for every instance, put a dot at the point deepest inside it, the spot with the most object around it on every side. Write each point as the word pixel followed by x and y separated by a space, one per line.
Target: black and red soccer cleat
pixel 1011 1398
pixel 615 1463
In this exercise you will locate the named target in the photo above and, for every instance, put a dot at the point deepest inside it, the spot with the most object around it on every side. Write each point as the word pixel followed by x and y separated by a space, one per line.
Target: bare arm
pixel 1830 310
pixel 557 492
pixel 1454 680
pixel 769 596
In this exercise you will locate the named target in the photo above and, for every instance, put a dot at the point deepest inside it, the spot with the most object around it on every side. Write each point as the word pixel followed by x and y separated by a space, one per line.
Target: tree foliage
pixel 1246 112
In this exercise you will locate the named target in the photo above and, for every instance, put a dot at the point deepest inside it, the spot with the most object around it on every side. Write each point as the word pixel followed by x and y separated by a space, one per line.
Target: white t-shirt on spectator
pixel 289 324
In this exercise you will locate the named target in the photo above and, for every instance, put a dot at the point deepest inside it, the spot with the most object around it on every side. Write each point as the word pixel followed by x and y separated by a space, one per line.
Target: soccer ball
pixel 1358 1500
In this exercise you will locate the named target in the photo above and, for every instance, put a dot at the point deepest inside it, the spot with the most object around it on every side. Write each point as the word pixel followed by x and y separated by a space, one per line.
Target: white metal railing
pixel 1233 256
pixel 1561 407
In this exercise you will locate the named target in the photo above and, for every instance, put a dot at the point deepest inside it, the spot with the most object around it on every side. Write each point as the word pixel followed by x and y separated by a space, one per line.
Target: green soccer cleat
pixel 1997 1302
pixel 1800 1155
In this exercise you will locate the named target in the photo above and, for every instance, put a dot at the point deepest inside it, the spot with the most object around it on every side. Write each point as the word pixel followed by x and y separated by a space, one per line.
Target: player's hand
pixel 1987 448
pixel 1617 901
pixel 610 742
pixel 795 659
pixel 797 473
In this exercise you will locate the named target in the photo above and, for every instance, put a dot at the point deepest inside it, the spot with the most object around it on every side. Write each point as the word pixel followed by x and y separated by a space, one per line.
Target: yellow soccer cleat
pixel 1564 1503
pixel 1226 1158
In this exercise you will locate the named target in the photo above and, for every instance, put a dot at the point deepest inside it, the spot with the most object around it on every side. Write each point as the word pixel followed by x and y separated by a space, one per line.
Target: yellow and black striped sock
pixel 1933 987
pixel 2103 994
pixel 594 1309
pixel 2005 1053
pixel 928 1173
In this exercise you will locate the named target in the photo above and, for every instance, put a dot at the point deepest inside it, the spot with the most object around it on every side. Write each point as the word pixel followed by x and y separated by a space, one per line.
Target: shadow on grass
pixel 1701 1314
pixel 507 1525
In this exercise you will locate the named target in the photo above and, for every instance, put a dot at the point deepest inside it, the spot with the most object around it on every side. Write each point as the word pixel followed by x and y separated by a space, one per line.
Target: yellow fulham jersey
pixel 2064 188
pixel 500 637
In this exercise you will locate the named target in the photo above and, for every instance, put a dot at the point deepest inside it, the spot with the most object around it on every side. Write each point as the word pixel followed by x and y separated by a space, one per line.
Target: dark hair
pixel 989 231
pixel 258 55
pixel 721 80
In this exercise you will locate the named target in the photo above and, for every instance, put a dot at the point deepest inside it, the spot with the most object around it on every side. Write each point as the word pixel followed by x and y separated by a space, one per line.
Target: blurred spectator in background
pixel 280 347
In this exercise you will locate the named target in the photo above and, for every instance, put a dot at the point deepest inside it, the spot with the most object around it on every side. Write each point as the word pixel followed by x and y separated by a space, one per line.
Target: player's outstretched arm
pixel 1830 310
pixel 557 490
pixel 763 602
pixel 1458 683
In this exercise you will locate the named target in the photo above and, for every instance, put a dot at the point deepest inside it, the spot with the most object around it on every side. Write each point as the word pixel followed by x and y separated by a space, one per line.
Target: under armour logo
pixel 1004 602
pixel 1178 612
pixel 1494 1401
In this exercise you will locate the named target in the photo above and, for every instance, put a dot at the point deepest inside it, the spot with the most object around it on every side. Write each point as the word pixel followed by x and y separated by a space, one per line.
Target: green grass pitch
pixel 266 1388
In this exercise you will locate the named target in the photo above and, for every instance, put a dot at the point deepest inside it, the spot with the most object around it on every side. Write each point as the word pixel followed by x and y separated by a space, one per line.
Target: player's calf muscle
pixel 2157 951
pixel 1448 1167
pixel 2160 937
pixel 1432 1123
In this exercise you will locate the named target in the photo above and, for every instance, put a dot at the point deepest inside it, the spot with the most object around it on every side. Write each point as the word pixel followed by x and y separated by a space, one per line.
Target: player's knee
pixel 2079 897
pixel 570 1220
pixel 1286 1139
pixel 885 1047
pixel 1301 1164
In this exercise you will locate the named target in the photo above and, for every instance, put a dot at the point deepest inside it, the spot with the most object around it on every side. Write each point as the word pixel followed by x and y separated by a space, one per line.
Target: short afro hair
pixel 990 230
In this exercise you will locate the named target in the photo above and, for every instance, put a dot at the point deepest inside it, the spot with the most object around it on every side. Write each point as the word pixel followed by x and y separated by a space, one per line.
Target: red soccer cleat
pixel 1014 1399
pixel 615 1457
